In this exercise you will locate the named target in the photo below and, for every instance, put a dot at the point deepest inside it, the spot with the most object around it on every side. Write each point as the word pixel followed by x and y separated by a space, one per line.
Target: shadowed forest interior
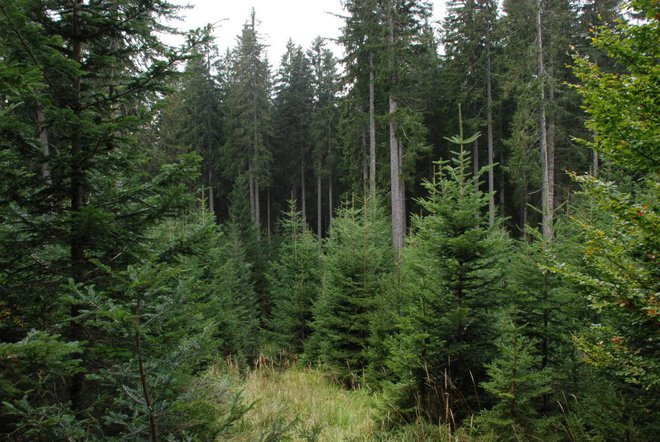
pixel 447 232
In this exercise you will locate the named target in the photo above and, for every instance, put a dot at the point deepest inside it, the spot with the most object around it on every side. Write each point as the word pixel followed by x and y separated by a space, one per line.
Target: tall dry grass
pixel 302 404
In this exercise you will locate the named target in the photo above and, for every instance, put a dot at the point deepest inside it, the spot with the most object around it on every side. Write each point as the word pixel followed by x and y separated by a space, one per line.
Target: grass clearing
pixel 302 404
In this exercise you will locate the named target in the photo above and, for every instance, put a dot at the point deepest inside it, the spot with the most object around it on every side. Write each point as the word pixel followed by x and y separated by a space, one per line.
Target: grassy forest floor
pixel 305 404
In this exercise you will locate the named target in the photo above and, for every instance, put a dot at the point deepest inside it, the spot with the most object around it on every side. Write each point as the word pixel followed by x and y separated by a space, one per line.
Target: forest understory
pixel 449 232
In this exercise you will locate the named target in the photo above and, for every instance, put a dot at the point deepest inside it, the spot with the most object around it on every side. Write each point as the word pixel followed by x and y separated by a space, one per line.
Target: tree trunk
pixel 330 208
pixel 595 164
pixel 303 195
pixel 402 195
pixel 395 160
pixel 268 213
pixel 502 180
pixel 489 124
pixel 153 429
pixel 552 130
pixel 372 127
pixel 365 160
pixel 251 184
pixel 546 192
pixel 319 202
pixel 397 232
pixel 257 209
pixel 45 148
pixel 475 165
pixel 211 196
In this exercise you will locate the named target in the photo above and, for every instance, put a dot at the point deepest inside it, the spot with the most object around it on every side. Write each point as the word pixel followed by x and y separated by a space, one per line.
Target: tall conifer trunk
pixel 268 220
pixel 396 186
pixel 303 195
pixel 489 128
pixel 397 231
pixel 257 209
pixel 251 185
pixel 330 208
pixel 546 193
pixel 211 196
pixel 45 148
pixel 365 159
pixel 319 202
pixel 552 131
pixel 372 127
pixel 502 181
pixel 475 164
pixel 402 195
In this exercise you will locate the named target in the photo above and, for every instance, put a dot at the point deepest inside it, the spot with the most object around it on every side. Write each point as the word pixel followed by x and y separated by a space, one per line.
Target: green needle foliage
pixel 355 266
pixel 515 383
pixel 294 280
pixel 451 283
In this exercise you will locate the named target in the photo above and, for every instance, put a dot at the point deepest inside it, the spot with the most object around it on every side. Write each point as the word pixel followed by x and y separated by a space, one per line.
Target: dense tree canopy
pixel 173 221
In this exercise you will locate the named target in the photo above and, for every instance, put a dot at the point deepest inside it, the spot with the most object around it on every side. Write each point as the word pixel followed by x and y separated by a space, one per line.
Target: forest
pixel 447 232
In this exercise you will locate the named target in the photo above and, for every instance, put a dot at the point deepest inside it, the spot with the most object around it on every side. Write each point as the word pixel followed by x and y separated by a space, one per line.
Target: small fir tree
pixel 294 282
pixel 357 260
pixel 451 279
pixel 515 382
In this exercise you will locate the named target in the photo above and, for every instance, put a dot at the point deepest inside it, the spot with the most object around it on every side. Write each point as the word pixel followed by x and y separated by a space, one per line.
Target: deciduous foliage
pixel 619 224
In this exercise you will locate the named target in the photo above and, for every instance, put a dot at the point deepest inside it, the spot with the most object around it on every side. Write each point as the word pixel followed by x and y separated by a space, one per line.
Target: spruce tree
pixel 363 40
pixel 515 381
pixel 324 127
pixel 76 205
pixel 247 148
pixel 451 283
pixel 233 284
pixel 294 284
pixel 292 119
pixel 355 266
pixel 203 123
pixel 470 43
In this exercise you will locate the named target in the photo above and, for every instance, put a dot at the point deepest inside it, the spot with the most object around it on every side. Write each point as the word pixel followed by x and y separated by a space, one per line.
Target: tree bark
pixel 303 196
pixel 552 130
pixel 595 164
pixel 489 125
pixel 365 160
pixel 319 202
pixel 211 196
pixel 257 208
pixel 330 208
pixel 397 231
pixel 402 195
pixel 395 161
pixel 251 185
pixel 546 192
pixel 372 127
pixel 475 165
pixel 268 213
pixel 502 180
pixel 45 148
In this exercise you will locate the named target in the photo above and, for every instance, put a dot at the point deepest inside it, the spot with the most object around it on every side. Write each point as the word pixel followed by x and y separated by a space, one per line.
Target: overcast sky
pixel 278 20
